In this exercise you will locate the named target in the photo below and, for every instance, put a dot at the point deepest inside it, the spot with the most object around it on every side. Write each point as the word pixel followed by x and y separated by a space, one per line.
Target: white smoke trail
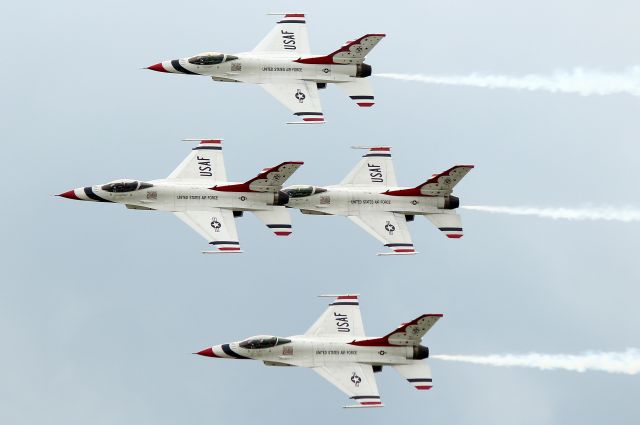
pixel 607 213
pixel 579 80
pixel 626 362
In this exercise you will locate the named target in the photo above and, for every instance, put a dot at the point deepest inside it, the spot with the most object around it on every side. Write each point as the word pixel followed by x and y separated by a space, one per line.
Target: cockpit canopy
pixel 262 341
pixel 119 186
pixel 210 58
pixel 300 191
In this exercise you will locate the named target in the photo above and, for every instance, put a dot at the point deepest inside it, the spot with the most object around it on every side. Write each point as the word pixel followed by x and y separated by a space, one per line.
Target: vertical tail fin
pixel 352 52
pixel 269 180
pixel 410 333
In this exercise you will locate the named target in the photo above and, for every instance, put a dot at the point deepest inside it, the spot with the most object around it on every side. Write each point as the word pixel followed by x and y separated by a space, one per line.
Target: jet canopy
pixel 210 58
pixel 119 186
pixel 262 341
pixel 300 191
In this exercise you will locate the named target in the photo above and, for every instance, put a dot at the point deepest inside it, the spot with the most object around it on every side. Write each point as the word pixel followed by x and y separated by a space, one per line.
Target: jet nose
pixel 157 67
pixel 207 352
pixel 70 194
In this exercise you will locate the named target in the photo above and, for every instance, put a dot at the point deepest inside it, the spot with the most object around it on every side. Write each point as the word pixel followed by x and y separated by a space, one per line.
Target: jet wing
pixel 215 225
pixel 389 228
pixel 300 97
pixel 374 169
pixel 354 379
pixel 288 38
pixel 341 319
pixel 205 162
pixel 276 219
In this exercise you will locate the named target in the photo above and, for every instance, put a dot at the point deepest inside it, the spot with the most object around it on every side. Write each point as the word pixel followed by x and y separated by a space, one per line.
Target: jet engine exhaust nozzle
pixel 420 352
pixel 280 198
pixel 451 202
pixel 363 70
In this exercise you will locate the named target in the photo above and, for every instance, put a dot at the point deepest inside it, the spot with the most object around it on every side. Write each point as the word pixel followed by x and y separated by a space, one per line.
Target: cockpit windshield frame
pixel 210 58
pixel 123 186
pixel 262 341
pixel 300 191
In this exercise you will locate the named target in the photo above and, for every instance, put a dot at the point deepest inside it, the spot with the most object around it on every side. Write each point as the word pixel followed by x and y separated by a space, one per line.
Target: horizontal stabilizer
pixel 449 223
pixel 359 90
pixel 277 220
pixel 362 406
pixel 417 374
pixel 269 180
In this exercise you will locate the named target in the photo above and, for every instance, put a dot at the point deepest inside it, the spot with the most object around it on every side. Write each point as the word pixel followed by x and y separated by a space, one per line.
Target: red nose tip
pixel 70 194
pixel 157 67
pixel 208 352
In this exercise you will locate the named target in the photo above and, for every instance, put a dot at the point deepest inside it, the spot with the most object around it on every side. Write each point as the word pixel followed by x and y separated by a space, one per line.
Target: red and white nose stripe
pixel 83 194
pixel 223 351
pixel 157 67
pixel 71 194
pixel 176 66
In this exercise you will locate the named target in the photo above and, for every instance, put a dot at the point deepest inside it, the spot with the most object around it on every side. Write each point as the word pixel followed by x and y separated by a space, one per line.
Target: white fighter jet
pixel 336 347
pixel 198 193
pixel 371 198
pixel 283 65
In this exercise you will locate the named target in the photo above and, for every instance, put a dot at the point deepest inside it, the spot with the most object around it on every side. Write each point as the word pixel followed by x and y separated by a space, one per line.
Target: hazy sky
pixel 101 307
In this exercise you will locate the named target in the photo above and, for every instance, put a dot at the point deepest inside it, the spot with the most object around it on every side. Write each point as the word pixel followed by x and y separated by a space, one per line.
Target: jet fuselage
pixel 166 195
pixel 342 200
pixel 304 351
pixel 256 68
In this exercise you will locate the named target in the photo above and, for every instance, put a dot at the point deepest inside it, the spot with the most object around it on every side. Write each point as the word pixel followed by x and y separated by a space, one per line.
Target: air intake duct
pixel 363 70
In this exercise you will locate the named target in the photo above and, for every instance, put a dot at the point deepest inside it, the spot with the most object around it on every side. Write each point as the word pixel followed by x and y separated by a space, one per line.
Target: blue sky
pixel 101 307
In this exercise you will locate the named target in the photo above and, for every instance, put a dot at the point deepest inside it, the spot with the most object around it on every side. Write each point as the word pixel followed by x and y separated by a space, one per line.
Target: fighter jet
pixel 198 193
pixel 283 65
pixel 370 197
pixel 337 349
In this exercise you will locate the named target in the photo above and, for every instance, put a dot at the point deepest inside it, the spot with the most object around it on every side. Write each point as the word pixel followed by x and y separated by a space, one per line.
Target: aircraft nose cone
pixel 70 194
pixel 207 352
pixel 157 67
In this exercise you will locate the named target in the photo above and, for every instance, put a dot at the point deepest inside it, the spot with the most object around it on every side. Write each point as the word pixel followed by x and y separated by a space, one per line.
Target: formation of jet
pixel 198 193
pixel 337 349
pixel 283 65
pixel 371 198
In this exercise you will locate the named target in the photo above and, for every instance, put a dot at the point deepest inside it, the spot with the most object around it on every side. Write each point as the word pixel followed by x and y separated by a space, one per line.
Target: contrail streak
pixel 607 213
pixel 581 81
pixel 626 362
